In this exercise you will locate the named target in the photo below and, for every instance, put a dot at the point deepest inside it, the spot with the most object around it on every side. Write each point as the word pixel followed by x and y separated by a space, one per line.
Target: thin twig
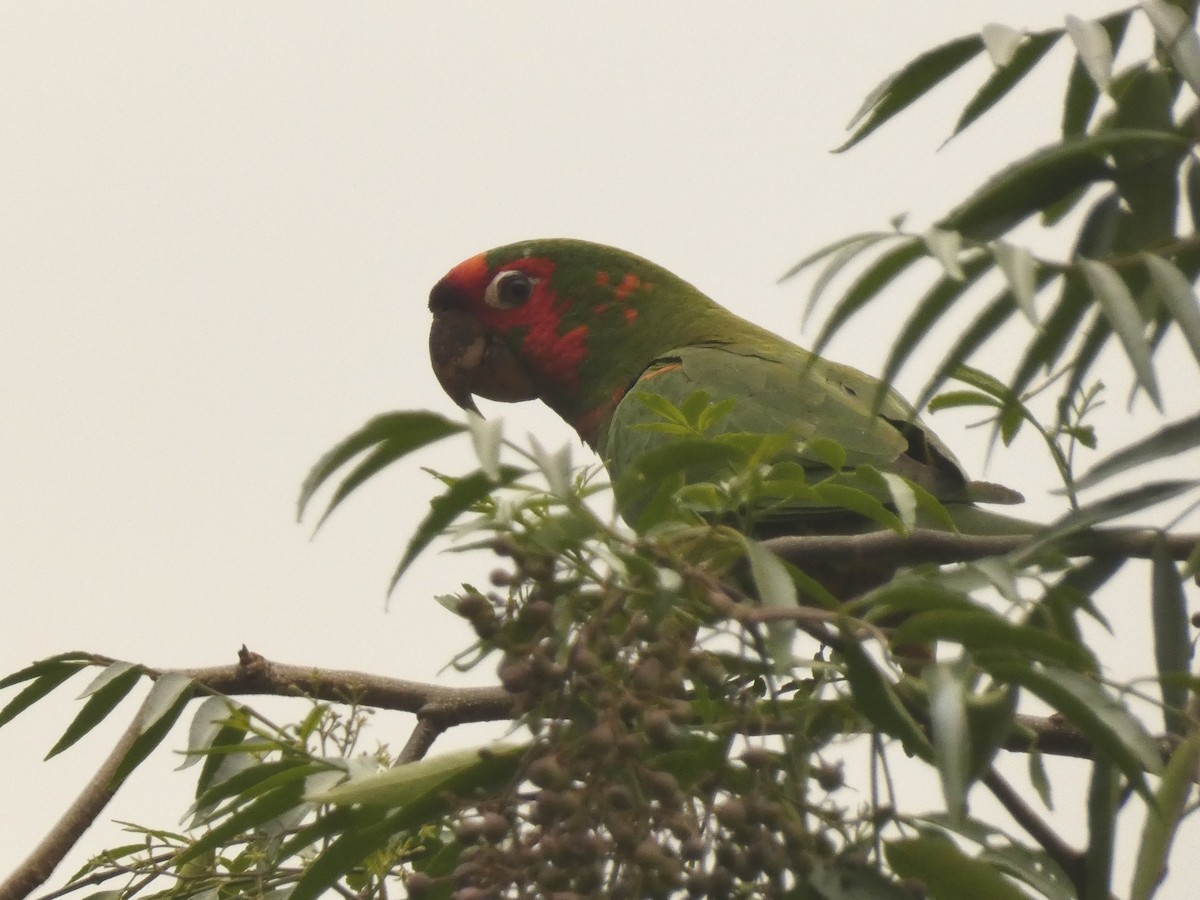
pixel 1070 860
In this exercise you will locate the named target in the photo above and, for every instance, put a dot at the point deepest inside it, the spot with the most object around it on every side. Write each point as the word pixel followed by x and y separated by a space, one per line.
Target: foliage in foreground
pixel 665 740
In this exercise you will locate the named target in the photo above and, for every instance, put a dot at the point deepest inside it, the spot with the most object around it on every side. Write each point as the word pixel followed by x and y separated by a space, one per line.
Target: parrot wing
pixel 786 390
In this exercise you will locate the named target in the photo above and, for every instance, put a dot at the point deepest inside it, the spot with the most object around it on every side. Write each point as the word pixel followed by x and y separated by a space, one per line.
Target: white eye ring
pixel 509 289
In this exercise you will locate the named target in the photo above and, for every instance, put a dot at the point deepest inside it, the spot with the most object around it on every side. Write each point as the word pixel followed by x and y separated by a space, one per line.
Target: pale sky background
pixel 218 227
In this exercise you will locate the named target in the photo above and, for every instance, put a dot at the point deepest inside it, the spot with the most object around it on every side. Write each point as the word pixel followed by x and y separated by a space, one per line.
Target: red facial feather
pixel 555 357
pixel 628 285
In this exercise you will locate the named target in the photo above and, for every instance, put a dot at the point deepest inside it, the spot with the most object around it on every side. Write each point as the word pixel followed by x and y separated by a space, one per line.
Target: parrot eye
pixel 509 289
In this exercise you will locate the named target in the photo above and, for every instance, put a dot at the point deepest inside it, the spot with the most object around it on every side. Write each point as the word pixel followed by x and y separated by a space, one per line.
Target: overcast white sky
pixel 218 227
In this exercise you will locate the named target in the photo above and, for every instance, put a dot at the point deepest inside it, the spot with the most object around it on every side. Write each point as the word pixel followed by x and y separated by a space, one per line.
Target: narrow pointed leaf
pixel 251 816
pixel 1177 295
pixel 1022 60
pixel 1082 93
pixel 400 432
pixel 109 673
pixel 951 736
pixel 1046 176
pixel 835 265
pixel 1001 42
pixel 1175 32
pixel 1172 640
pixel 909 84
pixel 164 694
pixel 1163 818
pixel 1102 828
pixel 402 785
pixel 832 249
pixel 936 302
pixel 869 283
pixel 944 246
pixel 1020 271
pixel 45 666
pixel 875 698
pixel 1178 437
pixel 148 741
pixel 986 324
pixel 1081 700
pixel 983 631
pixel 943 870
pixel 1123 315
pixel 445 508
pixel 39 687
pixel 1094 48
pixel 208 721
pixel 486 437
pixel 97 708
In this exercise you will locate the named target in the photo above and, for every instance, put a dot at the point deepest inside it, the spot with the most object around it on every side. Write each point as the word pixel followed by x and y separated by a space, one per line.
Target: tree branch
pixel 1070 860
pixel 40 864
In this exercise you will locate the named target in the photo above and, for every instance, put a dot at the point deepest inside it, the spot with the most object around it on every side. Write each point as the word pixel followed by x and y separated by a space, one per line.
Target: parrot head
pixel 568 322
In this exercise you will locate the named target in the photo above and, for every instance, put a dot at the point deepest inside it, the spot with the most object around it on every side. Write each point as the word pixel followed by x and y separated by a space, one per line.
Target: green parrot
pixel 589 329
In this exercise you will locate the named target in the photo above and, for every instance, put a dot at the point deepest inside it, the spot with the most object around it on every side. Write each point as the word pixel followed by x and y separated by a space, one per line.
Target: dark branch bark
pixel 1070 860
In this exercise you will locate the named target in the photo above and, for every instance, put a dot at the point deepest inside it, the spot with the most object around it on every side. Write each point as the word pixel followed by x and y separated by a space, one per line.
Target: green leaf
pixel 1045 177
pixel 252 782
pixel 51 677
pixel 1102 828
pixel 839 262
pixel 983 631
pixel 869 283
pixel 1175 289
pixel 830 494
pixel 986 324
pixel 1001 42
pixel 1174 31
pixel 393 436
pixel 459 497
pixel 1172 641
pixel 1176 438
pixel 1122 312
pixel 1039 778
pixel 951 736
pixel 1020 272
pixel 876 699
pixel 909 84
pixel 262 810
pixel 775 588
pixel 944 870
pixel 147 743
pixel 843 878
pixel 98 706
pixel 427 793
pixel 45 666
pixel 1027 55
pixel 1119 504
pixel 853 243
pixel 487 436
pixel 1163 819
pixel 402 785
pixel 929 310
pixel 1113 729
pixel 165 693
pixel 1093 47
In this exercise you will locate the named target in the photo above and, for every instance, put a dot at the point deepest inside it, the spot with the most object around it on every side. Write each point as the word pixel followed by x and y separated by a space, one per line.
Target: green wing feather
pixel 784 389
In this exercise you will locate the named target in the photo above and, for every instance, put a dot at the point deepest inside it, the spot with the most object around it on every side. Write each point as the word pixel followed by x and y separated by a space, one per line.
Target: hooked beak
pixel 467 361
